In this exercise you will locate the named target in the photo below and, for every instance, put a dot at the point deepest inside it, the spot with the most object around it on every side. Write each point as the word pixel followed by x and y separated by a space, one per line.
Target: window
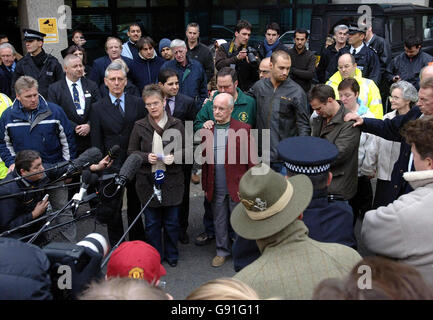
pixel 303 18
pixel 427 26
pixel 162 3
pixel 92 3
pixel 408 27
pixel 395 29
pixel 131 3
pixel 125 20
pixel 96 29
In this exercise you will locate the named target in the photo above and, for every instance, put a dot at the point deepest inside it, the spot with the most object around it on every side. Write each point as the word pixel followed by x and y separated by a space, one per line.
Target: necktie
pixel 353 51
pixel 167 107
pixel 118 106
pixel 76 96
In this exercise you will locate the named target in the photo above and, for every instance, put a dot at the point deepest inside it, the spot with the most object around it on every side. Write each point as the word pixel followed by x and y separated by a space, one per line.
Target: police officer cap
pixel 307 155
pixel 30 34
pixel 355 29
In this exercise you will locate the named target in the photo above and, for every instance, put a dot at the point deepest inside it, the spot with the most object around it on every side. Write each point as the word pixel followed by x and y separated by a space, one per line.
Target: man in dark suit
pixel 112 119
pixel 7 68
pixel 113 48
pixel 75 94
pixel 182 107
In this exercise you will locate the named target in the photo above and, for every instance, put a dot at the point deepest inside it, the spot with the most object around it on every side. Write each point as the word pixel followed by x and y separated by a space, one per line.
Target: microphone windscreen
pixel 131 166
pixel 114 151
pixel 92 155
pixel 89 178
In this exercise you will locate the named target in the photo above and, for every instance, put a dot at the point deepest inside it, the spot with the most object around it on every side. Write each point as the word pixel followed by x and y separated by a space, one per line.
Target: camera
pixel 251 54
pixel 73 266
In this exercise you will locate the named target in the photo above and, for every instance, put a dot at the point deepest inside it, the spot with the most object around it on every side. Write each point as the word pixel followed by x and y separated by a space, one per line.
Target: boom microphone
pixel 114 151
pixel 87 179
pixel 128 170
pixel 87 158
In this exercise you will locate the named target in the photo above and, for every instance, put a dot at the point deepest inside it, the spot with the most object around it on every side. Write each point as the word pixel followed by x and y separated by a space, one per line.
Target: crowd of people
pixel 286 147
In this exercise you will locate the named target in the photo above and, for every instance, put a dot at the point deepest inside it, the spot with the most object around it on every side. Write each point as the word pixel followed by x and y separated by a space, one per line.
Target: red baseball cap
pixel 137 260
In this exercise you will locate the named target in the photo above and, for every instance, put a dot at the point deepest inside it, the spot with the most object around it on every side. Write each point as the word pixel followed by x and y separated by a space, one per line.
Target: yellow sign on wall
pixel 49 27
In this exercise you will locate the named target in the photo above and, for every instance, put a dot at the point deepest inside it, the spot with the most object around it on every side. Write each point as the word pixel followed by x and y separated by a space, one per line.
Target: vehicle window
pixel 408 27
pixel 427 26
pixel 395 29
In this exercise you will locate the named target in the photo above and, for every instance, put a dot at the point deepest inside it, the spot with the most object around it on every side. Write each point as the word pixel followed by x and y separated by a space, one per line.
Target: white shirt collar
pixel 69 82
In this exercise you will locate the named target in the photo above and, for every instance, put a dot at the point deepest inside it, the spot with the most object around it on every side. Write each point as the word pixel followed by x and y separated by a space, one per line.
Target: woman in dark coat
pixel 157 154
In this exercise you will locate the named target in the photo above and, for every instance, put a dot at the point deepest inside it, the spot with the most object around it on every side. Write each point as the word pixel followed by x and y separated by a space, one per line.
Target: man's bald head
pixel 426 72
pixel 223 105
pixel 347 66
pixel 265 68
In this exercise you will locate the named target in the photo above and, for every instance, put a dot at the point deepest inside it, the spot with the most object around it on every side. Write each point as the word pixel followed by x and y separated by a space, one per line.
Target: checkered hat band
pixel 307 170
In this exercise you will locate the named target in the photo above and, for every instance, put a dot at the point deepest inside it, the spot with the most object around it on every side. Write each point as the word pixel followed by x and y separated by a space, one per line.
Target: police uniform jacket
pixel 367 61
pixel 49 132
pixel 329 220
pixel 383 50
pixel 50 72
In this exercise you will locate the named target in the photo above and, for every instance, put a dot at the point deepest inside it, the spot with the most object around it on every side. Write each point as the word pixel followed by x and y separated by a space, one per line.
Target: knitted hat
pixel 164 43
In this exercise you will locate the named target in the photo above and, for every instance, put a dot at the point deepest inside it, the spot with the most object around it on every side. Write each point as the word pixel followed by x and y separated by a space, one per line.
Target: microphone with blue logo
pixel 159 180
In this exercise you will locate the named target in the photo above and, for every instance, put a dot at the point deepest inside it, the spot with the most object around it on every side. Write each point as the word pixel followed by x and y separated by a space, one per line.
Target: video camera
pixel 73 266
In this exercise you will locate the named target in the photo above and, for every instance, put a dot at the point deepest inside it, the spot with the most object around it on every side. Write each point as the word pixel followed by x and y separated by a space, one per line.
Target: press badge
pixel 49 73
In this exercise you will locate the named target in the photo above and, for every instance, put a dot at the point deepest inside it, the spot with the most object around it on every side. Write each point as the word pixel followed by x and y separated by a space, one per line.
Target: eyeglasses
pixel 264 71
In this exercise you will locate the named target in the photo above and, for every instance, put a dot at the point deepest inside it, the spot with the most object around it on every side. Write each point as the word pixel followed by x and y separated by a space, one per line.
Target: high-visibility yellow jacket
pixel 5 102
pixel 369 93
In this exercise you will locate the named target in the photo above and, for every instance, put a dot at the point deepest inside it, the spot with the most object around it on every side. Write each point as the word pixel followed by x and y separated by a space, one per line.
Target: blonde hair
pixel 122 289
pixel 25 83
pixel 223 289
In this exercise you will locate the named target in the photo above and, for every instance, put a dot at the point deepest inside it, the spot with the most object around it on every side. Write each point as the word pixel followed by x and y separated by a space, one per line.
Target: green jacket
pixel 244 111
pixel 292 264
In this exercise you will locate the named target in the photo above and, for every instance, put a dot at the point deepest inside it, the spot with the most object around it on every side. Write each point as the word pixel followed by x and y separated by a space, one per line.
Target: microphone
pixel 159 180
pixel 87 158
pixel 114 151
pixel 87 179
pixel 128 170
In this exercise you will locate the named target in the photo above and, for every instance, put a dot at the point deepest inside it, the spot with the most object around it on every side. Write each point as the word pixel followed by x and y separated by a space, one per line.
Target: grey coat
pixel 346 138
pixel 283 110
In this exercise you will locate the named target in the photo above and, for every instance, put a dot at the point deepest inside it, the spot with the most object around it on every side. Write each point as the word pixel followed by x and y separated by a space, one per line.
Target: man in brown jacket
pixel 330 125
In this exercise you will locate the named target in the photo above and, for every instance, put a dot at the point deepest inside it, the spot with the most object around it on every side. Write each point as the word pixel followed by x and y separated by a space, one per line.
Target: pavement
pixel 194 264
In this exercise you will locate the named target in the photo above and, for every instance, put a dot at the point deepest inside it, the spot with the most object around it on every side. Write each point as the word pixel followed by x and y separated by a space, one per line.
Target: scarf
pixel 39 60
pixel 270 48
pixel 157 146
pixel 153 57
